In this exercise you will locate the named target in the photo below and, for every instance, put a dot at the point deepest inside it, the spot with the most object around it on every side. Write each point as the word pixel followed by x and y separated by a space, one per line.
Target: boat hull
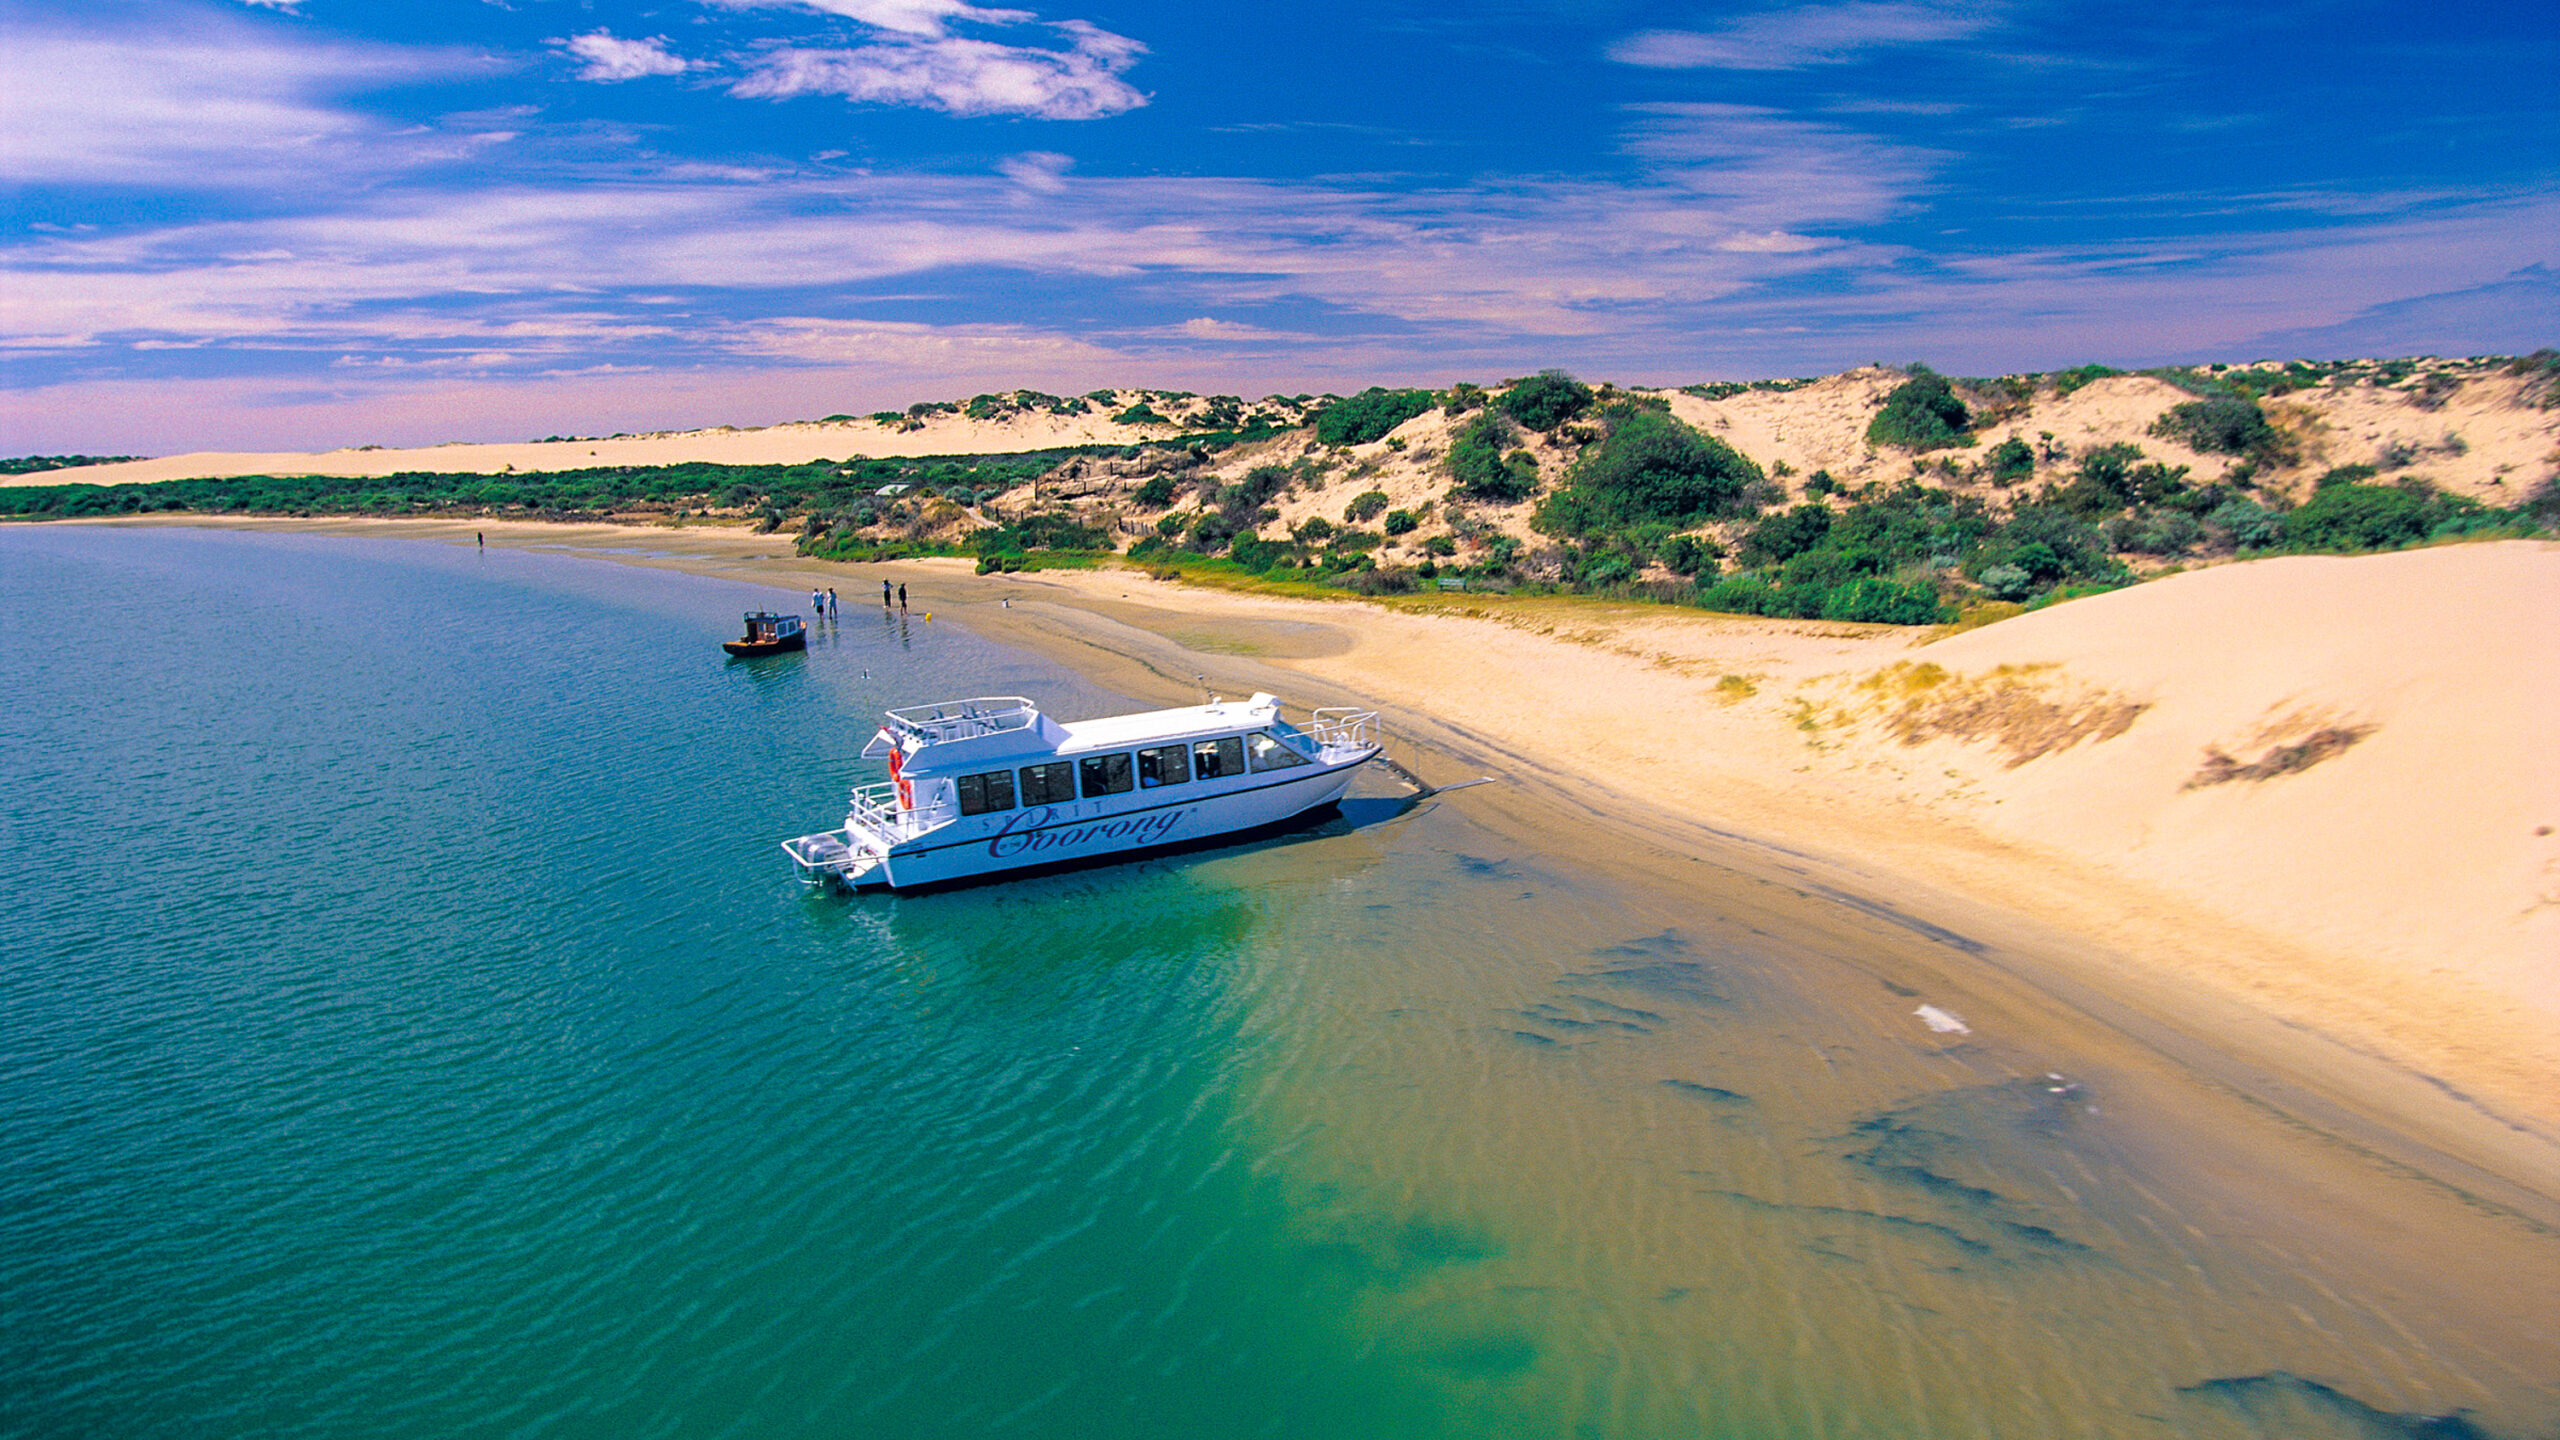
pixel 752 648
pixel 1046 837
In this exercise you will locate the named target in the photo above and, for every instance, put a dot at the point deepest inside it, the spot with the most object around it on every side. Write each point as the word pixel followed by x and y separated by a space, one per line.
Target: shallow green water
pixel 411 1028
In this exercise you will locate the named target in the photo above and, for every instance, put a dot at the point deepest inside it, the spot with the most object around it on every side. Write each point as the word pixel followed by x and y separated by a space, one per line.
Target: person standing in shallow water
pixel 884 594
pixel 902 597
pixel 834 611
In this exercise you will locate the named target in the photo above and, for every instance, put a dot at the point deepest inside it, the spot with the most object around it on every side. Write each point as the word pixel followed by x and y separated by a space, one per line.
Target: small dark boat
pixel 769 634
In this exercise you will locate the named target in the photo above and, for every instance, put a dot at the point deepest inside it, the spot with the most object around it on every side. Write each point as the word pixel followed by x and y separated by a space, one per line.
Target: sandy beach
pixel 2295 822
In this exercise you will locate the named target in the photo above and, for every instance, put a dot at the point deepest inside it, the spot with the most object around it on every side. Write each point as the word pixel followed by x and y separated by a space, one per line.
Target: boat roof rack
pixel 964 719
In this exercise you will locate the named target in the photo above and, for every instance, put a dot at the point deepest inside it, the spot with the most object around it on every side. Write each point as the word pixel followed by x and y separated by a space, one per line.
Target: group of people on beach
pixel 823 603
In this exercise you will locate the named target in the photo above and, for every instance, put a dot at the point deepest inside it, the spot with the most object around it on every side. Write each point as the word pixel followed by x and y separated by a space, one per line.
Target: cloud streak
pixel 927 19
pixel 1804 36
pixel 214 107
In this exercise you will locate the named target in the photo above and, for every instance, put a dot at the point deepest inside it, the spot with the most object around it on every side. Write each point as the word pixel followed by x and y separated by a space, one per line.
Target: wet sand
pixel 2456 1075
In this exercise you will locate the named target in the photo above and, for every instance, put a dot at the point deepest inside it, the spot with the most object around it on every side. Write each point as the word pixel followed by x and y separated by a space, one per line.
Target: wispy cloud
pixel 217 106
pixel 963 77
pixel 1042 172
pixel 611 58
pixel 1760 167
pixel 1806 35
pixel 927 18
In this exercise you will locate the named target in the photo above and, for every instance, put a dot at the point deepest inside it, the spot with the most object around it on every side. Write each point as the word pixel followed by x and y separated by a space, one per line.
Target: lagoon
pixel 413 1028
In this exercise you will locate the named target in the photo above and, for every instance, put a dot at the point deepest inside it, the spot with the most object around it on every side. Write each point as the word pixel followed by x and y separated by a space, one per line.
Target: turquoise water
pixel 412 1028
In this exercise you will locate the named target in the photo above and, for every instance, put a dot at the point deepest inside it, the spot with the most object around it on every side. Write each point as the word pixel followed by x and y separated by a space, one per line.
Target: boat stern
pixel 843 858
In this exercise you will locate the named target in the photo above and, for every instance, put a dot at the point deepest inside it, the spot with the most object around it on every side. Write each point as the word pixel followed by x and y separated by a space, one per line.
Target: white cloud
pixel 963 77
pixel 1043 172
pixel 1204 327
pixel 1807 35
pixel 1761 168
pixel 217 106
pixel 926 18
pixel 610 58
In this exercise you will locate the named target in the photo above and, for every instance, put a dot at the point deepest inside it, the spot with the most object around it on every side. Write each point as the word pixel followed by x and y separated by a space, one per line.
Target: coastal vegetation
pixel 1369 415
pixel 38 464
pixel 1922 413
pixel 1898 496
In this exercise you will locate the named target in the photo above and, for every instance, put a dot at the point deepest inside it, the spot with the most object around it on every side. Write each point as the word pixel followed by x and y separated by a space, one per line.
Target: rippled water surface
pixel 411 1028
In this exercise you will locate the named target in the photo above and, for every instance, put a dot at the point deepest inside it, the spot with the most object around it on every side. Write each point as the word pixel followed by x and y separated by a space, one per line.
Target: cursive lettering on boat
pixel 1034 830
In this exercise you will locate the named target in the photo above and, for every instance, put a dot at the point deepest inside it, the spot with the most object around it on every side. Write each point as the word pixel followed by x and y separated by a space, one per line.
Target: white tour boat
pixel 981 787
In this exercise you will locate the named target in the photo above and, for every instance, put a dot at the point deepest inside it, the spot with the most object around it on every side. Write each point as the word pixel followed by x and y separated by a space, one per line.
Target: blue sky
pixel 253 223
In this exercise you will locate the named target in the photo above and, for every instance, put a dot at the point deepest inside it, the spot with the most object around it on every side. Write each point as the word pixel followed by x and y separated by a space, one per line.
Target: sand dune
pixel 2479 433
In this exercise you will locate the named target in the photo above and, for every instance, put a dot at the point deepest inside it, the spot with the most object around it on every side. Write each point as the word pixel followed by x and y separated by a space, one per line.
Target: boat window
pixel 980 794
pixel 1050 784
pixel 1270 754
pixel 1104 775
pixel 1164 765
pixel 1211 759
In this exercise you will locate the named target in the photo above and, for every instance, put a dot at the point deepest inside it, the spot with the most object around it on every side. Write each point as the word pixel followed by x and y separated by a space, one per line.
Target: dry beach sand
pixel 2296 821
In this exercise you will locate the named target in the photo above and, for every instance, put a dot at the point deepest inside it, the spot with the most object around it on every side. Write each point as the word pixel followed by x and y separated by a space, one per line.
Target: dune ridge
pixel 2473 428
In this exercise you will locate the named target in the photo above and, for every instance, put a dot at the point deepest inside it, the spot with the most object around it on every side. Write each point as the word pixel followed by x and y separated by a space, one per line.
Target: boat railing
pixel 876 808
pixel 1343 726
pixel 964 719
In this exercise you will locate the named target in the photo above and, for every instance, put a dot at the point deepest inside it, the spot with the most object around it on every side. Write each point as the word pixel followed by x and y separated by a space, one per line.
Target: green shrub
pixel 2008 582
pixel 1365 506
pixel 1257 554
pixel 1737 595
pixel 2541 372
pixel 1820 570
pixel 1461 398
pixel 1781 538
pixel 2050 543
pixel 1546 400
pixel 1921 414
pixel 1687 554
pixel 2250 525
pixel 1156 494
pixel 2226 425
pixel 2109 480
pixel 2541 508
pixel 1874 601
pixel 1441 545
pixel 1402 522
pixel 1140 414
pixel 1369 415
pixel 2151 531
pixel 2066 381
pixel 1477 464
pixel 2358 517
pixel 1648 466
pixel 2011 461
pixel 1605 570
